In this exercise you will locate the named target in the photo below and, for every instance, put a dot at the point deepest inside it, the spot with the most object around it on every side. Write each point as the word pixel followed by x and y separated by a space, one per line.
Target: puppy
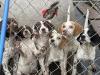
pixel 42 30
pixel 9 51
pixel 71 30
pixel 86 49
pixel 27 62
pixel 57 43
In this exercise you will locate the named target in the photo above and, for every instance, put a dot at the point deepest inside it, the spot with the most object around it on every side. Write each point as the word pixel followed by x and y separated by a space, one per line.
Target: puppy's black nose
pixel 52 40
pixel 43 29
pixel 64 32
pixel 83 38
pixel 26 32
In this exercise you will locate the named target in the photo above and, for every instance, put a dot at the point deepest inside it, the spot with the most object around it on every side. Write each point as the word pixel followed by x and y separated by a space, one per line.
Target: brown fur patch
pixel 63 42
pixel 60 29
pixel 78 28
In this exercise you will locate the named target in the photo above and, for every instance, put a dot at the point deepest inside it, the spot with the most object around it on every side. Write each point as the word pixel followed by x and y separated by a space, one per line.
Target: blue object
pixel 3 29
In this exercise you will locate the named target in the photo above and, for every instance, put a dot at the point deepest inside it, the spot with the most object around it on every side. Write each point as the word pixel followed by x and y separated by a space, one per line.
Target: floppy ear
pixel 63 42
pixel 60 29
pixel 78 29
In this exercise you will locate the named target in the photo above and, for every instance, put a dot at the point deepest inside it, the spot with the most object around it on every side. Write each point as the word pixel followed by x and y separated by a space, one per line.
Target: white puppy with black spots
pixel 27 61
pixel 42 30
pixel 9 51
pixel 86 49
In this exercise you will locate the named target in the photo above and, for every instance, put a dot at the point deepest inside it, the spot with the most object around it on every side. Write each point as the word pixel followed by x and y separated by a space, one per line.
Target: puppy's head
pixel 88 35
pixel 57 40
pixel 43 27
pixel 70 28
pixel 12 27
pixel 25 31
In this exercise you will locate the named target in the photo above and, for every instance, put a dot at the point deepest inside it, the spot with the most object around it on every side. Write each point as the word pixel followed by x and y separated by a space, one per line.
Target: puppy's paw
pixel 43 49
pixel 93 69
pixel 37 52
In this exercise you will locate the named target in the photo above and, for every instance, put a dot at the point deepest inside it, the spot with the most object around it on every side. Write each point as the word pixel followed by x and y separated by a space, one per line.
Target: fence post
pixel 3 29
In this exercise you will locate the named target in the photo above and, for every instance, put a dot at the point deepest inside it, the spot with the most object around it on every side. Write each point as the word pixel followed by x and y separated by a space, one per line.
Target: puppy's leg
pixel 74 66
pixel 43 68
pixel 63 68
pixel 18 72
pixel 63 65
pixel 5 60
pixel 91 68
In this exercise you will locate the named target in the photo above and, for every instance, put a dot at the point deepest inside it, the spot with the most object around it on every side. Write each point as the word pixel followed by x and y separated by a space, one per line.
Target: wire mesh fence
pixel 27 13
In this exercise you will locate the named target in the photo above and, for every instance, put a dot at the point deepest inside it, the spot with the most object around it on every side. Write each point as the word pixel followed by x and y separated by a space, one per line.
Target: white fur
pixel 43 27
pixel 9 52
pixel 69 31
pixel 85 50
pixel 68 14
pixel 27 63
pixel 56 53
pixel 42 42
pixel 86 20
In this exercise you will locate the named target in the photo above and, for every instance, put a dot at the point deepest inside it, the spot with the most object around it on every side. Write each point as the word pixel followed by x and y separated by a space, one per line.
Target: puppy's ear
pixel 60 29
pixel 50 34
pixel 78 28
pixel 30 29
pixel 49 25
pixel 20 33
pixel 63 42
pixel 36 27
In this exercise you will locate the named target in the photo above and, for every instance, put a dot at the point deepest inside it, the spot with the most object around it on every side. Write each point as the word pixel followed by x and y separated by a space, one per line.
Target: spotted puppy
pixel 27 62
pixel 86 50
pixel 71 30
pixel 42 30
pixel 9 51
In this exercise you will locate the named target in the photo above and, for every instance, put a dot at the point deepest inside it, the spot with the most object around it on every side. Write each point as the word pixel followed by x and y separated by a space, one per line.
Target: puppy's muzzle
pixel 52 41
pixel 64 32
pixel 43 30
pixel 81 39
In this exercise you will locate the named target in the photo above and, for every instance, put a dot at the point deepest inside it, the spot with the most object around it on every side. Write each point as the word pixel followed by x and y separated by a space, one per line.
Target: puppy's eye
pixel 51 36
pixel 71 27
pixel 58 38
pixel 63 26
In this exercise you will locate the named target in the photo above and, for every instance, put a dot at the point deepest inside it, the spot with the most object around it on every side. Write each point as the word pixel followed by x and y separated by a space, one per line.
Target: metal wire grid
pixel 14 4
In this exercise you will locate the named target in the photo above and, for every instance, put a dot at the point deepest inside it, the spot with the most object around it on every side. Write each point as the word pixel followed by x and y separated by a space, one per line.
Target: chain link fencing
pixel 28 12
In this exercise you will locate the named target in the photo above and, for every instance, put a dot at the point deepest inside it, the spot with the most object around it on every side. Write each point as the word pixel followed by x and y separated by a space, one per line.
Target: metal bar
pixel 3 29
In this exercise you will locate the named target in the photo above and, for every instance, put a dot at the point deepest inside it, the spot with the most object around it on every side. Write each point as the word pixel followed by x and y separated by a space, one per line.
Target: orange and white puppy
pixel 71 30
pixel 57 43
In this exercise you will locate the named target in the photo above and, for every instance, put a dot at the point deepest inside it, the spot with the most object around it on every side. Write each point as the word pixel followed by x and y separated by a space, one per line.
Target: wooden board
pixel 96 25
pixel 93 13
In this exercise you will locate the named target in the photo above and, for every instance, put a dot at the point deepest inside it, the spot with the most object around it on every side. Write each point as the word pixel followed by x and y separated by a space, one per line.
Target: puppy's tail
pixel 86 20
pixel 51 11
pixel 68 14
